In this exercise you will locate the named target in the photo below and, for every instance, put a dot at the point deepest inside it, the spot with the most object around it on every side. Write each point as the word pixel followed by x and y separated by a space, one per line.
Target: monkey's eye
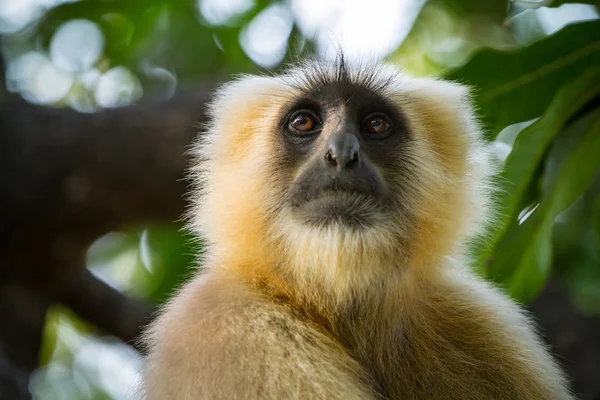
pixel 304 121
pixel 376 124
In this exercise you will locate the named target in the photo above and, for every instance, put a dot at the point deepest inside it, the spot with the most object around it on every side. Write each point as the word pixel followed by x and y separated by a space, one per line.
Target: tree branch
pixel 23 314
pixel 108 309
pixel 68 178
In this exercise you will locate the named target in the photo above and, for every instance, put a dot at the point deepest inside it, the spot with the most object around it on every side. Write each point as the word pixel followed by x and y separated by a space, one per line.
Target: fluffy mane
pixel 238 197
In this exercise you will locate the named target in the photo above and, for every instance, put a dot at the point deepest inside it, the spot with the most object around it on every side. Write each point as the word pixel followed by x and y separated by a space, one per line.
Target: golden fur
pixel 283 310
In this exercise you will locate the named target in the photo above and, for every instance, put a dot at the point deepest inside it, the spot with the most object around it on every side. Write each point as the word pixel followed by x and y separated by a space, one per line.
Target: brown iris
pixel 376 124
pixel 304 121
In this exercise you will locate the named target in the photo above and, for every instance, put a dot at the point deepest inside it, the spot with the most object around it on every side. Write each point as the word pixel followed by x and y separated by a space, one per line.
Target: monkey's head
pixel 331 171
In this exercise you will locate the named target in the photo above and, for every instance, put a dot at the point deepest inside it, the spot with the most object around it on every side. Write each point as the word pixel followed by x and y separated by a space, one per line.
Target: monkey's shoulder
pixel 231 341
pixel 466 337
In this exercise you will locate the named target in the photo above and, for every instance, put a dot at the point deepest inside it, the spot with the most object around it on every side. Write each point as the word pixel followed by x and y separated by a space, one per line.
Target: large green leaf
pixel 546 3
pixel 529 251
pixel 597 225
pixel 526 27
pixel 531 144
pixel 524 161
pixel 558 3
pixel 494 9
pixel 518 85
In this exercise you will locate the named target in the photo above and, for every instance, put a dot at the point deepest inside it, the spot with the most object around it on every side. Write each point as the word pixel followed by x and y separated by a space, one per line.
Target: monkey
pixel 336 202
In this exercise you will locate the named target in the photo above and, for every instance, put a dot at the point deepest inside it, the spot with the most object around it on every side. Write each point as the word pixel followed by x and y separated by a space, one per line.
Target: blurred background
pixel 99 100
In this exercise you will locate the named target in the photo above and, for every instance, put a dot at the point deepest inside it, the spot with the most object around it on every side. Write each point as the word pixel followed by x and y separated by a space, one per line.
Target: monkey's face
pixel 332 165
pixel 345 145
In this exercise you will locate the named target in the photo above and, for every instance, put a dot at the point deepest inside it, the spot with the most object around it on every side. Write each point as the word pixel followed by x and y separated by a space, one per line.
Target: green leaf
pixel 172 258
pixel 530 249
pixel 518 85
pixel 549 3
pixel 494 9
pixel 109 246
pixel 118 30
pixel 597 224
pixel 584 285
pixel 559 3
pixel 530 255
pixel 526 28
pixel 49 337
pixel 529 148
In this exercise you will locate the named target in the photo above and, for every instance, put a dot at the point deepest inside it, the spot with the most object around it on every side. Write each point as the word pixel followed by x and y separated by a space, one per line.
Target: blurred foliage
pixel 518 85
pixel 538 93
pixel 555 80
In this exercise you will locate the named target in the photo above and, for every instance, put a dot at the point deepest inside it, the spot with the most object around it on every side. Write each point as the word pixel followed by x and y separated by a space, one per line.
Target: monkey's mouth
pixel 349 197
pixel 347 207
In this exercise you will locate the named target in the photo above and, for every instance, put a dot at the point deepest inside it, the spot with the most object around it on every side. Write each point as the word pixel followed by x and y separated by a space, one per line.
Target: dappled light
pixel 37 79
pixel 77 45
pixel 217 12
pixel 117 87
pixel 15 15
pixel 265 37
pixel 86 368
pixel 361 29
pixel 553 19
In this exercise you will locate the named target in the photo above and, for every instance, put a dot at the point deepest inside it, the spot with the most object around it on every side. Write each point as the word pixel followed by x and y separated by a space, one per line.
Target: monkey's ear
pixel 443 94
pixel 240 92
pixel 449 102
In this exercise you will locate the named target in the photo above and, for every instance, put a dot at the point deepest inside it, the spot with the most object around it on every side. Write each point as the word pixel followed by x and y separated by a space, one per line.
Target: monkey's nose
pixel 343 152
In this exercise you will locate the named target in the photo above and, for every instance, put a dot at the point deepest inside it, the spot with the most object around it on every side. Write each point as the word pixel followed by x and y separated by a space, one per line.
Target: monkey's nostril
pixel 343 152
pixel 352 159
pixel 330 158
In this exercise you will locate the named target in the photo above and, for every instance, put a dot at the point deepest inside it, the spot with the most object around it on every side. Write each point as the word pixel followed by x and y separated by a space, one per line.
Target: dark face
pixel 343 144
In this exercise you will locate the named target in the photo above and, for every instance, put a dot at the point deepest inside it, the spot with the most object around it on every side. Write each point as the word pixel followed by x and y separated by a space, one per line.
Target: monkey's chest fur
pixel 224 339
pixel 442 346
